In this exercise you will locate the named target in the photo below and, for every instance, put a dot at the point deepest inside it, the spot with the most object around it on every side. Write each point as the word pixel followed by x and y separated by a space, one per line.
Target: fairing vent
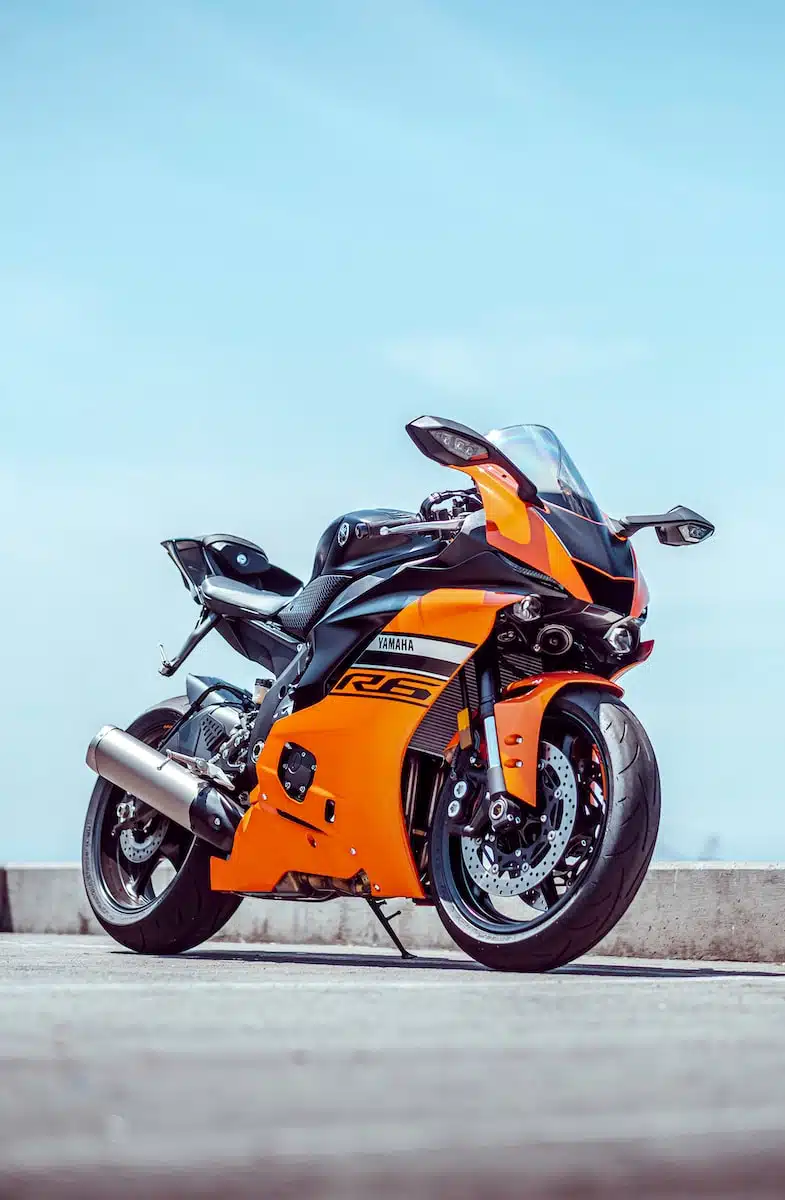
pixel 606 590
pixel 532 573
pixel 440 722
pixel 518 666
pixel 213 733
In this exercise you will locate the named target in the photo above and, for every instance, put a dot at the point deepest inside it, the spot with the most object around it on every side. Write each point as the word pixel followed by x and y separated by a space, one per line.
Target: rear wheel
pixel 544 894
pixel 147 879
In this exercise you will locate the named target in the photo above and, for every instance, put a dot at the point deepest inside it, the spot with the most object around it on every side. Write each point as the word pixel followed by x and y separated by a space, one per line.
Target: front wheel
pixel 148 880
pixel 543 895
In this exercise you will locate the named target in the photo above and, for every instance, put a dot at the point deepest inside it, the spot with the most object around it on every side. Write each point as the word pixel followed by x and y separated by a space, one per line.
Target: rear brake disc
pixel 138 850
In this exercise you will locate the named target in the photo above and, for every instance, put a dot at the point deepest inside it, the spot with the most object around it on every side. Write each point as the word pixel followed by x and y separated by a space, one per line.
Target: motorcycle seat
pixel 229 598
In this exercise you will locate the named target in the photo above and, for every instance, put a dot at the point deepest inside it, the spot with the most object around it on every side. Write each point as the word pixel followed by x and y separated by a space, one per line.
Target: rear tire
pixel 583 915
pixel 186 912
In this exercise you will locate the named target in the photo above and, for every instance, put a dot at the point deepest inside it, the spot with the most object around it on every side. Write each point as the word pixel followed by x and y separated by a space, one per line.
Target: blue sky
pixel 242 243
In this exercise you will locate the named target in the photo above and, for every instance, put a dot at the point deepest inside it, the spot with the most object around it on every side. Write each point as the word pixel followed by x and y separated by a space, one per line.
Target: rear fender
pixel 198 686
pixel 519 718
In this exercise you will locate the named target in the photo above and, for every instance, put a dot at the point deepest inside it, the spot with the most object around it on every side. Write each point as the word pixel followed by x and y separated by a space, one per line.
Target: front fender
pixel 518 720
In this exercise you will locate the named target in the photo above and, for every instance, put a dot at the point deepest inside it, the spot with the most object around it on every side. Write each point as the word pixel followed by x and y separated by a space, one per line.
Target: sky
pixel 242 243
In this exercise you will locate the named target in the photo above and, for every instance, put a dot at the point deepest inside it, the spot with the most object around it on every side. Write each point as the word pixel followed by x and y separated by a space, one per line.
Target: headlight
pixel 622 637
pixel 528 609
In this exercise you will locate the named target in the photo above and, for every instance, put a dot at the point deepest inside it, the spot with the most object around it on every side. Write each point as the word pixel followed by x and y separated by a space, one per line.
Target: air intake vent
pixel 518 666
pixel 441 722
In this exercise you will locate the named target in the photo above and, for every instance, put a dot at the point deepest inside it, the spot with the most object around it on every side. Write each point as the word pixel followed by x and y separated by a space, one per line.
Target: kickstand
pixel 384 920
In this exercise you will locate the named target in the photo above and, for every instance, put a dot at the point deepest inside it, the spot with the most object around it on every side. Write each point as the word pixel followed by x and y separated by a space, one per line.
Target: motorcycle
pixel 439 718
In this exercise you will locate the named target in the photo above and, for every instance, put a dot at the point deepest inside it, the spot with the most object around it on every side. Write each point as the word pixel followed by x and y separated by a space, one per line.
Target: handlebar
pixel 364 529
pixel 415 524
pixel 460 502
pixel 427 520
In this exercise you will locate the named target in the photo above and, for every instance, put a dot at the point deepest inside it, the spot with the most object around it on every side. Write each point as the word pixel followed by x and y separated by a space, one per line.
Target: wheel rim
pixel 501 904
pixel 138 863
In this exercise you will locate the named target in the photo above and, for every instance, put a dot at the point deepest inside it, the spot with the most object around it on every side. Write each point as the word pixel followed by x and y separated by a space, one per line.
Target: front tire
pixel 581 899
pixel 153 896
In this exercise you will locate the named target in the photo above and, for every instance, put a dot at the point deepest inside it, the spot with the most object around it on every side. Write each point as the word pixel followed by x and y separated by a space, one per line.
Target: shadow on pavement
pixel 426 963
pixel 653 971
pixel 326 959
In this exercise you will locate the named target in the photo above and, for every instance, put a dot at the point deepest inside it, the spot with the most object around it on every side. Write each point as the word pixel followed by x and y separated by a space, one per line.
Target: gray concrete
pixel 730 911
pixel 245 1071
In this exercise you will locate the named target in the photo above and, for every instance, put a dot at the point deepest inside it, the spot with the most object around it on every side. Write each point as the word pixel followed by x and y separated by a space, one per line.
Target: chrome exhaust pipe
pixel 167 787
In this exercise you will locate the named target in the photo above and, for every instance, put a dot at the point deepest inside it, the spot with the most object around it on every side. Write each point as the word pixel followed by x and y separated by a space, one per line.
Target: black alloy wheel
pixel 542 893
pixel 147 878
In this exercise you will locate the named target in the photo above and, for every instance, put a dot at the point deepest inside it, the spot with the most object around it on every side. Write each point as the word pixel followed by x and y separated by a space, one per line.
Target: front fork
pixel 505 791
pixel 488 691
pixel 484 789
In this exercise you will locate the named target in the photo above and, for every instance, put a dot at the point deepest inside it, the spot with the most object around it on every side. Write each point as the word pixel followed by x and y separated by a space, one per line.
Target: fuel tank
pixel 344 548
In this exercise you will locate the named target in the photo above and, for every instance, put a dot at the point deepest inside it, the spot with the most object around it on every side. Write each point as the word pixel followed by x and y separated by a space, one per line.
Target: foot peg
pixel 202 768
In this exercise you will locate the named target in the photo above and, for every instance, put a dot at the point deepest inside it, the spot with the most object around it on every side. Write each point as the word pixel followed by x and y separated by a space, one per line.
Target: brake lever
pixel 421 527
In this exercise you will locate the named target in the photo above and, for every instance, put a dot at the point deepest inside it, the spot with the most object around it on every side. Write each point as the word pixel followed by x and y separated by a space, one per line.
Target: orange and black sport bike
pixel 440 719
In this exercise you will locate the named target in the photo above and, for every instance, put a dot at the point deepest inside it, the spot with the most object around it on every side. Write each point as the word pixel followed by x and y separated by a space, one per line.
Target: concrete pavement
pixel 273 1072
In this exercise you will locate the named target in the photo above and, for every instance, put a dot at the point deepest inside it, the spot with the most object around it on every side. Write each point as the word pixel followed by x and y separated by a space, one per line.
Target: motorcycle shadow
pixel 667 971
pixel 415 962
pixel 424 962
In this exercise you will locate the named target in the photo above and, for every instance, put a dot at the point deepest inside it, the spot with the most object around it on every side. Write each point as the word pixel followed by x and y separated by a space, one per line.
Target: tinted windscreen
pixel 571 510
pixel 537 452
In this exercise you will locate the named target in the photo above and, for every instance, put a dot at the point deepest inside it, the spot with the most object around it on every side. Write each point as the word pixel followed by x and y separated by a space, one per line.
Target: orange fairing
pixel 644 652
pixel 640 595
pixel 518 529
pixel 358 734
pixel 518 721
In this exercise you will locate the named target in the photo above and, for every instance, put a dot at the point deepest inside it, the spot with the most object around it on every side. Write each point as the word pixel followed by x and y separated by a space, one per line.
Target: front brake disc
pixel 535 861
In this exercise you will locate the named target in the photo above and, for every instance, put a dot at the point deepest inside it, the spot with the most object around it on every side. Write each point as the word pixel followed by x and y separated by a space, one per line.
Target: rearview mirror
pixel 678 526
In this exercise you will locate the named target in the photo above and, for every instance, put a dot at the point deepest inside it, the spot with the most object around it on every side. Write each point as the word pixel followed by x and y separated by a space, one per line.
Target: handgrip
pixel 365 529
pixel 424 527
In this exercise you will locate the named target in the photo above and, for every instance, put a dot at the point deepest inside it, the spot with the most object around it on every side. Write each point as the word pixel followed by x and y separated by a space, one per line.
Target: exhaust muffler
pixel 167 787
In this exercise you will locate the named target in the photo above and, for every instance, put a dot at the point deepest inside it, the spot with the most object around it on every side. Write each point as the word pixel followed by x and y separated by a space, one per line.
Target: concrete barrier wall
pixel 723 911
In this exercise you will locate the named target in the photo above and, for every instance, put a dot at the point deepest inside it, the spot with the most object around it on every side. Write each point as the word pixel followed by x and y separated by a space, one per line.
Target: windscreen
pixel 537 452
pixel 604 561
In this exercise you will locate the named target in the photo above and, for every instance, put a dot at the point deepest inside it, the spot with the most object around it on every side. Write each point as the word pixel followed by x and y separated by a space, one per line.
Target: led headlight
pixel 622 637
pixel 528 609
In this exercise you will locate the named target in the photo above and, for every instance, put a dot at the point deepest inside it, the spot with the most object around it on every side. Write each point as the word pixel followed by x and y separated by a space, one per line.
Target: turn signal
pixel 462 447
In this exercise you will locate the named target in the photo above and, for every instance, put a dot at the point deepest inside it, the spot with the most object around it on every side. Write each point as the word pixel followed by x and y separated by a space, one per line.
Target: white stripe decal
pixel 403 670
pixel 422 647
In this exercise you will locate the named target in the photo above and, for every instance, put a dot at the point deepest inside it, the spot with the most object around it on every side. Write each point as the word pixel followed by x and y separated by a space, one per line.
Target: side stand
pixel 384 921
